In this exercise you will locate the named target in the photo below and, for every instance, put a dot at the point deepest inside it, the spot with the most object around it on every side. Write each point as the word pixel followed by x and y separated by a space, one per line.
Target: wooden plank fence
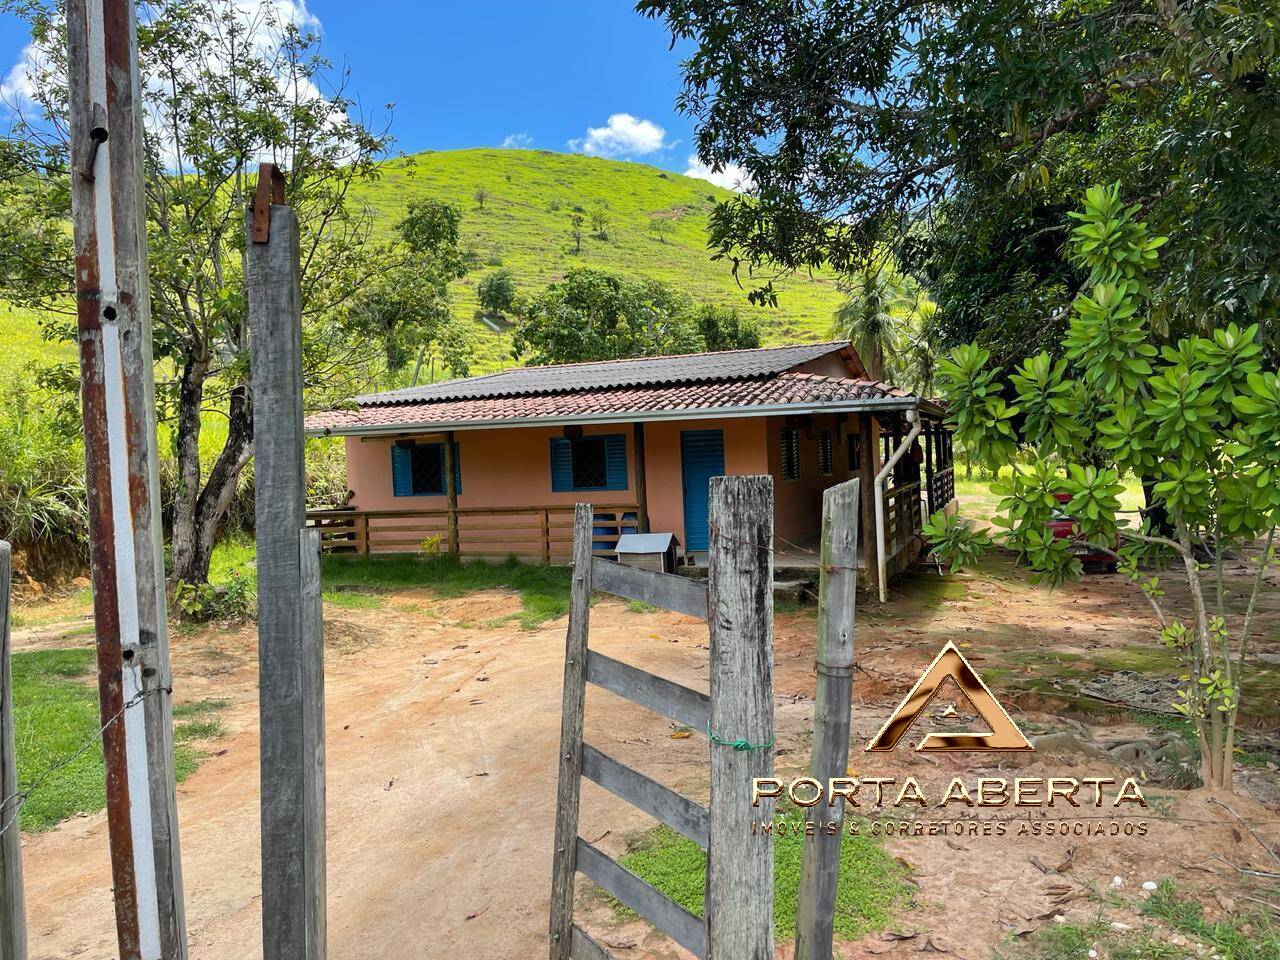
pixel 738 602
pixel 543 533
pixel 13 918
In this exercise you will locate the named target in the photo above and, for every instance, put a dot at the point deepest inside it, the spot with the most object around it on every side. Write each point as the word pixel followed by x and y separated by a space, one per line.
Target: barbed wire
pixel 23 795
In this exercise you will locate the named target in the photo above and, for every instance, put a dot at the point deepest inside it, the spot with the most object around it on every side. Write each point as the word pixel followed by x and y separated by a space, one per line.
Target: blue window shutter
pixel 615 458
pixel 401 471
pixel 457 469
pixel 561 465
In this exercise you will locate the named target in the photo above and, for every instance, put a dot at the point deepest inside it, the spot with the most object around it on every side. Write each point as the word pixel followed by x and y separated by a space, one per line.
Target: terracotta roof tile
pixel 800 389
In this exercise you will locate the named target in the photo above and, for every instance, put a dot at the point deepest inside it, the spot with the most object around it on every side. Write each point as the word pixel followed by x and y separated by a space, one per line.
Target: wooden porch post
pixel 927 434
pixel 642 493
pixel 451 492
pixel 869 466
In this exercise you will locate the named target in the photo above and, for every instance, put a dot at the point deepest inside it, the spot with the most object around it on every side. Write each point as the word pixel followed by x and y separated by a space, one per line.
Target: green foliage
pixel 55 714
pixel 1198 416
pixel 955 539
pixel 871 885
pixel 593 315
pixel 1245 936
pixel 42 494
pixel 955 136
pixel 497 293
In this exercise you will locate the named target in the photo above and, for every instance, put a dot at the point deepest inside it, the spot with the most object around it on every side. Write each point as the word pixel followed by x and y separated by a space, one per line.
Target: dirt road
pixel 442 737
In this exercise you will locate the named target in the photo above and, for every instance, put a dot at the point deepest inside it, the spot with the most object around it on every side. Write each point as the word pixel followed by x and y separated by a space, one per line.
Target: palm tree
pixel 871 318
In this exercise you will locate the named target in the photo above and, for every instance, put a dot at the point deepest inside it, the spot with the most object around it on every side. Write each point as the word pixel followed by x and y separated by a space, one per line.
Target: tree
pixel 575 231
pixel 661 228
pixel 1201 416
pixel 497 293
pixel 594 315
pixel 724 328
pixel 954 134
pixel 225 85
pixel 480 196
pixel 600 224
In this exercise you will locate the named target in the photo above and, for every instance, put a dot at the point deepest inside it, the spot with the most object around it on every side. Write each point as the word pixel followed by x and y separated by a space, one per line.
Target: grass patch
pixel 55 713
pixel 639 606
pixel 1227 937
pixel 544 591
pixel 870 889
pixel 349 600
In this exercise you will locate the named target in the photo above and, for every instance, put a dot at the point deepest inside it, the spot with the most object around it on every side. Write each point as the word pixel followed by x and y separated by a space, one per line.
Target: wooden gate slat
pixel 665 590
pixel 584 947
pixel 662 803
pixel 681 704
pixel 665 914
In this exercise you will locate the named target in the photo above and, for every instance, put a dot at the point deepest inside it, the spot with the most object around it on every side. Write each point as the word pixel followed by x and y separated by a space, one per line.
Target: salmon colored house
pixel 492 465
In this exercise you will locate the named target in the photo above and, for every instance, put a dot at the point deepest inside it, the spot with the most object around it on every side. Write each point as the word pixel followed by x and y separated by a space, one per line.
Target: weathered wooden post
pixel 290 650
pixel 565 861
pixel 13 915
pixel 451 492
pixel 837 587
pixel 739 906
pixel 118 399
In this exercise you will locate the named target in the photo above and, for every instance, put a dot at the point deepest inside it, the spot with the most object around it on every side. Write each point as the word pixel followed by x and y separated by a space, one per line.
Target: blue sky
pixel 585 75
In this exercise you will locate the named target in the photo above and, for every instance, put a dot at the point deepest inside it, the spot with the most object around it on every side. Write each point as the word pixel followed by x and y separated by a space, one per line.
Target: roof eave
pixel 872 405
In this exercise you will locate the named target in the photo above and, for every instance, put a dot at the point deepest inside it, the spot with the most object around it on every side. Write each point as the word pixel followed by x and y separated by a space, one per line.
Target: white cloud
pixel 517 141
pixel 623 136
pixel 731 177
pixel 18 86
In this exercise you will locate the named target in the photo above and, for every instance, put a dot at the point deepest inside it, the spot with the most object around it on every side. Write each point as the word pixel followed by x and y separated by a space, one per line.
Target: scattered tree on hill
pixel 213 108
pixel 661 228
pixel 1201 416
pixel 497 294
pixel 600 224
pixel 406 310
pixel 594 315
pixel 958 134
pixel 575 231
pixel 480 196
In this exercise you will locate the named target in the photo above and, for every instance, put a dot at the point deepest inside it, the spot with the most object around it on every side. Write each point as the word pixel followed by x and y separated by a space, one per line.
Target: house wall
pixel 511 467
pixel 798 503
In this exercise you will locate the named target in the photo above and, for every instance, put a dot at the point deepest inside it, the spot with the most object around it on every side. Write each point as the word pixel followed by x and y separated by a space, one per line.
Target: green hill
pixel 523 227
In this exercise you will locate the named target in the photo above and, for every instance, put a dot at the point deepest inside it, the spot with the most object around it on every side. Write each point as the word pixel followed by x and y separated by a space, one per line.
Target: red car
pixel 1064 528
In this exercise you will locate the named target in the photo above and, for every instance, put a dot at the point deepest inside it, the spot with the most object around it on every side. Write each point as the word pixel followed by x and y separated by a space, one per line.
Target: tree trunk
pixel 211 504
pixel 187 433
pixel 1161 524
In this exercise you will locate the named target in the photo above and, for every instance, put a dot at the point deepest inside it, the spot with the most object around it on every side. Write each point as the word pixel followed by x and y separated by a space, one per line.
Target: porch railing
pixel 902 516
pixel 942 489
pixel 533 533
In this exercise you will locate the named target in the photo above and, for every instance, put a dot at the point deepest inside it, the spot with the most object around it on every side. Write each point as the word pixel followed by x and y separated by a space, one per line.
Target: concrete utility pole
pixel 118 396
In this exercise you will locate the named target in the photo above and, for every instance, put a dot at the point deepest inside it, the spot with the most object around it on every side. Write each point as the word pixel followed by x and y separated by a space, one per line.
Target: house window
pixel 790 438
pixel 855 453
pixel 826 462
pixel 417 470
pixel 589 463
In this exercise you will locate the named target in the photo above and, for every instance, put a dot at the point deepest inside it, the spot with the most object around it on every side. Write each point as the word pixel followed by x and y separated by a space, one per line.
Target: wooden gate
pixel 737 719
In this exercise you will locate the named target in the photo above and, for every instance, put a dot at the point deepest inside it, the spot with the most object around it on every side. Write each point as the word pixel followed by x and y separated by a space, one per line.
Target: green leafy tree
pixel 1201 416
pixel 600 224
pixel 480 196
pixel 595 315
pixel 225 86
pixel 955 135
pixel 576 223
pixel 497 294
pixel 661 228
pixel 407 308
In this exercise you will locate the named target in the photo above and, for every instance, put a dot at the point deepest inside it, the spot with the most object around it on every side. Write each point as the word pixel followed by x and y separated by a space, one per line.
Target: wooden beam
pixel 451 492
pixel 740 882
pixel 667 590
pixel 662 803
pixel 564 859
pixel 837 588
pixel 869 466
pixel 665 914
pixel 681 704
pixel 642 489
pixel 289 686
pixel 13 915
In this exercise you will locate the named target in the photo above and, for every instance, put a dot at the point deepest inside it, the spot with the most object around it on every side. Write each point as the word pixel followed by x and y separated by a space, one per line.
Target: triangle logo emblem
pixel 950 663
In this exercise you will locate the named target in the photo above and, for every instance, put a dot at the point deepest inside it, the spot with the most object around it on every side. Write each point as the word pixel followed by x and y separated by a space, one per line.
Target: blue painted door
pixel 701 458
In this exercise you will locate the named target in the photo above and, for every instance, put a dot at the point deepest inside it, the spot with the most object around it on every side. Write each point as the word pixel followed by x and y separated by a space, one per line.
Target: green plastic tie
pixel 741 744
